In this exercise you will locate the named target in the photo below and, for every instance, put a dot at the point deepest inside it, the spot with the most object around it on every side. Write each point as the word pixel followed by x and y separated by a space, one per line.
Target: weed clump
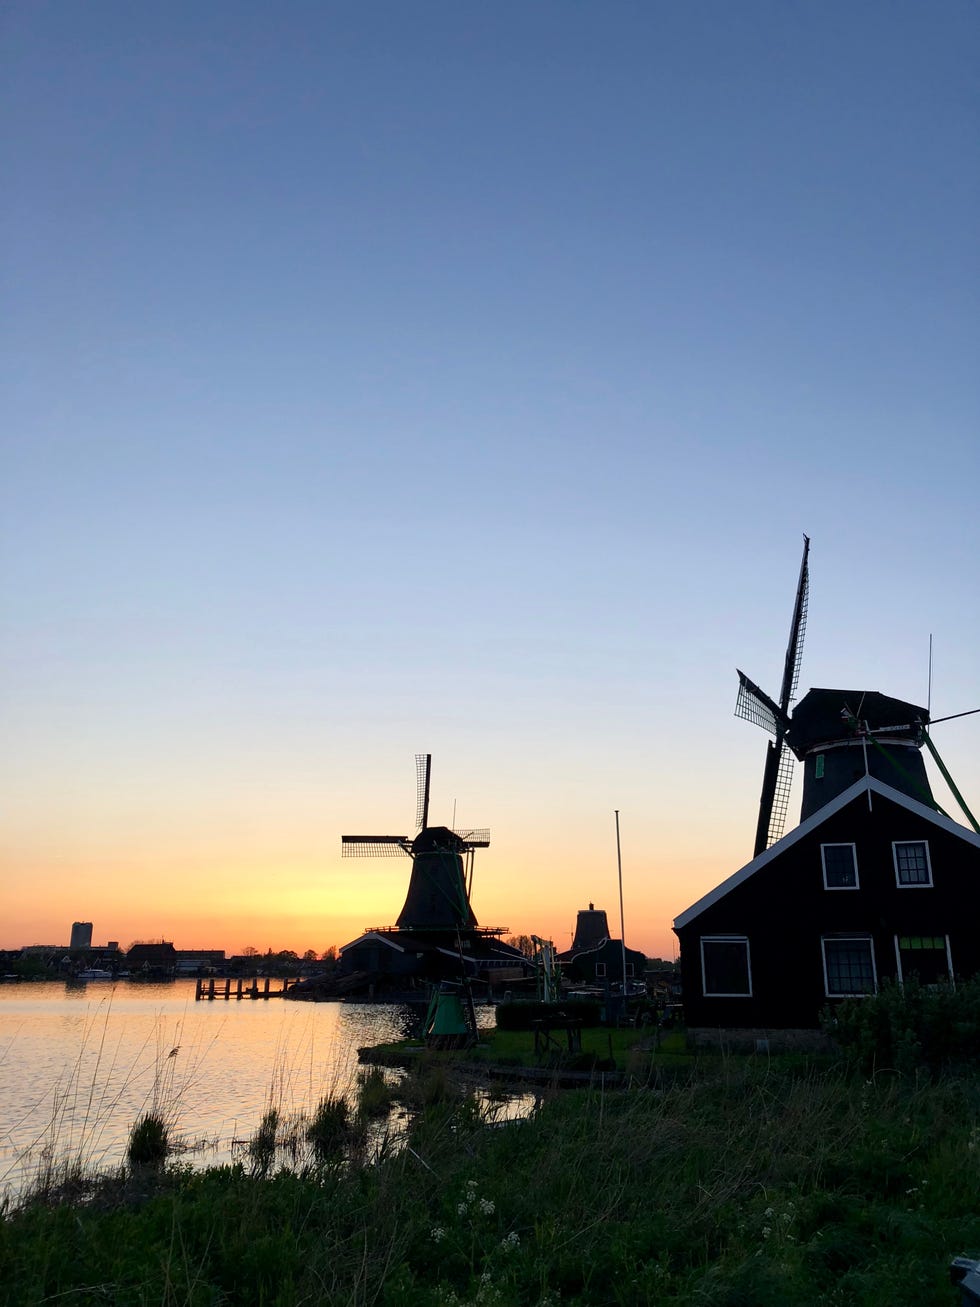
pixel 149 1141
pixel 374 1094
pixel 330 1129
pixel 262 1145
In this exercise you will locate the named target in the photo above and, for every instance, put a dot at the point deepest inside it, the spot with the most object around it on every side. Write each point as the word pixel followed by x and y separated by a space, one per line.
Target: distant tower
pixel 81 934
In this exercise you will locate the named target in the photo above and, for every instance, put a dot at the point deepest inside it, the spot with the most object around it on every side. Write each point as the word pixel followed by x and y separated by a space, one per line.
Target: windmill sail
pixel 755 706
pixel 375 846
pixel 423 770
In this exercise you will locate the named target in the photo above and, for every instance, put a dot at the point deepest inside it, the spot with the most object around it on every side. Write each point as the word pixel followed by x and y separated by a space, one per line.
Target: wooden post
pixel 266 991
pixel 197 991
pixel 239 994
pixel 211 989
pixel 227 988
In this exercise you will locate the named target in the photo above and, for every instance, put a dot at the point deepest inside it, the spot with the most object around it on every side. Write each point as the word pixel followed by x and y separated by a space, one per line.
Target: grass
pixel 746 1183
pixel 149 1141
pixel 635 1052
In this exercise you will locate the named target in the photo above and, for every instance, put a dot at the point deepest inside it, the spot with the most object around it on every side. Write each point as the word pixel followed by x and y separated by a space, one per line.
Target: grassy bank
pixel 630 1052
pixel 746 1185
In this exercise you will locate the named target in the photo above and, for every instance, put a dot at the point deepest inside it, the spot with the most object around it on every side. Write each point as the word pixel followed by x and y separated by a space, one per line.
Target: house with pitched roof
pixel 876 882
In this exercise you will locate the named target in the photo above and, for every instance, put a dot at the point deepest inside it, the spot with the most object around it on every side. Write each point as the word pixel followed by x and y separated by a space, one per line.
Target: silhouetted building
pixel 160 958
pixel 81 934
pixel 595 958
pixel 875 882
pixel 591 929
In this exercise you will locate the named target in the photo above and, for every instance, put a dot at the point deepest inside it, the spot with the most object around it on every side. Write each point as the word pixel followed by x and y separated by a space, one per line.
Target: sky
pixel 459 378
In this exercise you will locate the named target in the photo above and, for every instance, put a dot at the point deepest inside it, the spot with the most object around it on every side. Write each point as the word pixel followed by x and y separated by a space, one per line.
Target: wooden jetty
pixel 225 987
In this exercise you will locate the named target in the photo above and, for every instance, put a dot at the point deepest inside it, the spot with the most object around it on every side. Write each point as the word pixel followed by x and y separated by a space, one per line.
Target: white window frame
pixel 726 939
pixel 898 954
pixel 842 844
pixel 600 971
pixel 918 884
pixel 848 939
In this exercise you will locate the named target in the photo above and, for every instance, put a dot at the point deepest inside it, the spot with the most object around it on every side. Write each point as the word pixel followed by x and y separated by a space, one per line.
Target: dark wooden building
pixel 874 883
pixel 393 959
pixel 603 964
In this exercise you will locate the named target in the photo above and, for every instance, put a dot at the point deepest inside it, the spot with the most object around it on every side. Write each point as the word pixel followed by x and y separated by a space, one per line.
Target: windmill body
pixel 842 735
pixel 436 935
pixel 437 897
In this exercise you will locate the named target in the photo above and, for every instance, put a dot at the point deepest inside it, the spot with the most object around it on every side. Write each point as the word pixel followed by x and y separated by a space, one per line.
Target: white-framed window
pixel 840 866
pixel 600 970
pixel 926 956
pixel 913 868
pixel 726 969
pixel 848 966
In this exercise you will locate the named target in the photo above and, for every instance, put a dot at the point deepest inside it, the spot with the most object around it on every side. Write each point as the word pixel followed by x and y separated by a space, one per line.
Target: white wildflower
pixel 438 1234
pixel 486 1206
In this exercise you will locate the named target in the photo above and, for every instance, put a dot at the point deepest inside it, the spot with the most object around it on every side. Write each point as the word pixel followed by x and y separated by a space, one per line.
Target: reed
pixel 745 1185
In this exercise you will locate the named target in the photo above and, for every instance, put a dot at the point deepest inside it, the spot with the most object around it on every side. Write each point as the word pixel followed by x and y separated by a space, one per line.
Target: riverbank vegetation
pixel 746 1184
pixel 848 1181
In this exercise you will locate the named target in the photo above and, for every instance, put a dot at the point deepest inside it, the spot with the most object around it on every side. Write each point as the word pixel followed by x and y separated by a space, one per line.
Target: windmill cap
pixel 828 716
pixel 437 839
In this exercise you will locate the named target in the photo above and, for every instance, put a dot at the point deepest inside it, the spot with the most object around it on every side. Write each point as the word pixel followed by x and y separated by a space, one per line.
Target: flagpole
pixel 622 925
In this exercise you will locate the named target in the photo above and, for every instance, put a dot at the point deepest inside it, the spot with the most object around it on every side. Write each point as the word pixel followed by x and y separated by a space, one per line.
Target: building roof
pixel 404 941
pixel 866 784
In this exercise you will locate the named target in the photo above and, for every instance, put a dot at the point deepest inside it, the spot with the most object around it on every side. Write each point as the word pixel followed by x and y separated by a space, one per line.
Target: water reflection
pixel 80 1063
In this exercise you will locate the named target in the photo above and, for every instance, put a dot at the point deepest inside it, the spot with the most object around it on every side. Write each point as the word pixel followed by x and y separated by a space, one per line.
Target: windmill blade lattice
pixel 375 846
pixel 780 798
pixel 753 706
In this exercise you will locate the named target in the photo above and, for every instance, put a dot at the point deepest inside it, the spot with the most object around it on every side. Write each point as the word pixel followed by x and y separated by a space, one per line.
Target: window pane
pixel 924 956
pixel 912 864
pixel 840 867
pixel 726 966
pixel 849 966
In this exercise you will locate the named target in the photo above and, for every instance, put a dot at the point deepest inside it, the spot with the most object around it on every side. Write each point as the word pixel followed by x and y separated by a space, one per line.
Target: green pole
pixel 949 781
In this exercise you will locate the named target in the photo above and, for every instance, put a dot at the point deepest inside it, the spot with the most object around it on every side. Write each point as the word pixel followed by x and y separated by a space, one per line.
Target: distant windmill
pixel 756 706
pixel 438 895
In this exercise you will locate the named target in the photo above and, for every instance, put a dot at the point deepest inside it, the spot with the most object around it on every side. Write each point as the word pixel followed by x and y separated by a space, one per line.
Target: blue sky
pixel 382 378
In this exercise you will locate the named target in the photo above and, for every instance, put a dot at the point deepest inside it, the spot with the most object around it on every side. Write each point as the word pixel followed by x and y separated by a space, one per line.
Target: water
pixel 79 1063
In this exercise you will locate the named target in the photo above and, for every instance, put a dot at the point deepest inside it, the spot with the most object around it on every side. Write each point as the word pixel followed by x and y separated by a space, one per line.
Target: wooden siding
pixel 783 910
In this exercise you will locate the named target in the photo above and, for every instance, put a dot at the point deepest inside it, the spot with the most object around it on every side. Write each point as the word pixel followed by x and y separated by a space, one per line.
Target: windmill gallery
pixel 876 881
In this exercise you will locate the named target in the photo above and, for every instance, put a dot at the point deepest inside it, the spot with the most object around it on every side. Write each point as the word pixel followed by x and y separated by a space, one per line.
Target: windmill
pixel 838 735
pixel 756 706
pixel 438 895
